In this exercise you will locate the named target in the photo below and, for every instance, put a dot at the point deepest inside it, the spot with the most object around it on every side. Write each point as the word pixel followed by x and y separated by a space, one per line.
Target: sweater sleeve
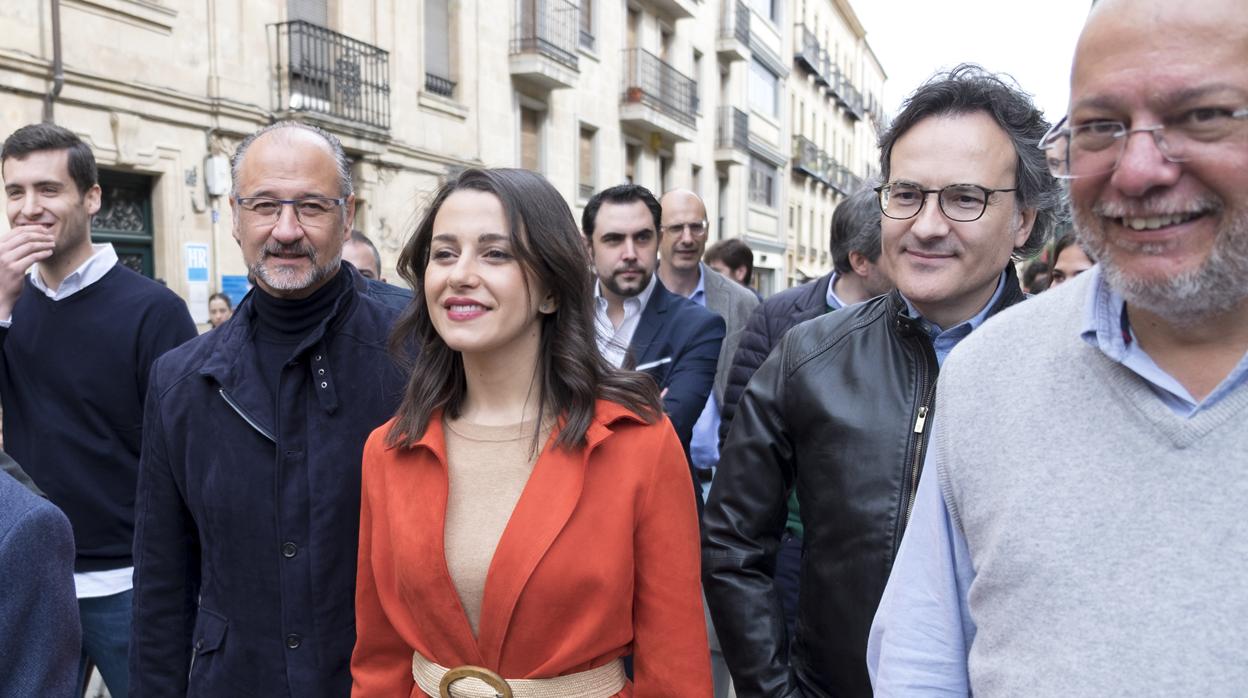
pixel 670 650
pixel 166 568
pixel 381 662
pixel 167 326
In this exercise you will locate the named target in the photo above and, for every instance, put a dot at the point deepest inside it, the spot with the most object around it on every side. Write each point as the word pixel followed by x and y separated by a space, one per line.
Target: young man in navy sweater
pixel 78 335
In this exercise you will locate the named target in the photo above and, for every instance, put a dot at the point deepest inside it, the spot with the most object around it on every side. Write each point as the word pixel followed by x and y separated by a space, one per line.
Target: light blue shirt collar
pixel 834 301
pixel 943 341
pixel 699 293
pixel 1106 326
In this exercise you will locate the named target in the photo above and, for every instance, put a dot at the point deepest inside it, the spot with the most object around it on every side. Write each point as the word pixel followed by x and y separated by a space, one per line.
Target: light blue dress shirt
pixel 923 630
pixel 704 444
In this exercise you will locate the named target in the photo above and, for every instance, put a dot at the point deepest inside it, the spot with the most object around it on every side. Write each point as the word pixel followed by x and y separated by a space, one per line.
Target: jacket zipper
pixel 920 429
pixel 246 417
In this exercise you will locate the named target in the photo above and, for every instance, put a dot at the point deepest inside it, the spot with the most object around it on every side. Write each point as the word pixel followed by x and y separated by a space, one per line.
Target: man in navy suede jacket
pixel 249 487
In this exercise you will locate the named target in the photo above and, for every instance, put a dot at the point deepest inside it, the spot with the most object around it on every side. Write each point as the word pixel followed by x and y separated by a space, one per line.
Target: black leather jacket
pixel 842 410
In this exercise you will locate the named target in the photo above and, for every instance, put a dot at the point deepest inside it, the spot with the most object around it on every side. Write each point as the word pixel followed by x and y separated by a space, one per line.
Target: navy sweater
pixel 73 377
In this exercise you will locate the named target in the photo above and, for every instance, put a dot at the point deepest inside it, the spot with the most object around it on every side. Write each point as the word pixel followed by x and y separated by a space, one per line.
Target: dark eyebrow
pixel 493 237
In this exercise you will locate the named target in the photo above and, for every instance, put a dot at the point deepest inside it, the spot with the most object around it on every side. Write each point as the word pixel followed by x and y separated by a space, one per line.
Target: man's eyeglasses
pixel 959 202
pixel 697 229
pixel 311 211
pixel 1095 148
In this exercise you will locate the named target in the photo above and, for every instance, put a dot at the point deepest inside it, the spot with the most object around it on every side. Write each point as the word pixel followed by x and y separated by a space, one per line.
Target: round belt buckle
pixel 489 678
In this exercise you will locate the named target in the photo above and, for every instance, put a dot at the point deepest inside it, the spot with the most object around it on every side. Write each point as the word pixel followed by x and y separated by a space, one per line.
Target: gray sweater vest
pixel 1107 534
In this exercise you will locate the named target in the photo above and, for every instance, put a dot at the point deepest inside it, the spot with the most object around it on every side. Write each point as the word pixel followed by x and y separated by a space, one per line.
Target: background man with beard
pixel 1116 564
pixel 249 486
pixel 79 333
pixel 640 323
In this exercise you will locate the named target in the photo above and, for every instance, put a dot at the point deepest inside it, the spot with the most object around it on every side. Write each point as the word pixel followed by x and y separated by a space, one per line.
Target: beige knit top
pixel 488 468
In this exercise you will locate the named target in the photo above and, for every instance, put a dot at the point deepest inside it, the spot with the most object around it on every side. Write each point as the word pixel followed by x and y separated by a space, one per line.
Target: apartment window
pixel 585 167
pixel 762 183
pixel 764 89
pixel 696 179
pixel 770 9
pixel 530 139
pixel 587 24
pixel 632 153
pixel 665 174
pixel 438 48
pixel 313 11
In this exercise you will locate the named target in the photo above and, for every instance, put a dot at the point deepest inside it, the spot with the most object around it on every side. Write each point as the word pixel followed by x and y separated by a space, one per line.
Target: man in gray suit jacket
pixel 38 610
pixel 682 272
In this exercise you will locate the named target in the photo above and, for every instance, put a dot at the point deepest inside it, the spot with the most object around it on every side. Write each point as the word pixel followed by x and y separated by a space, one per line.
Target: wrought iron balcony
pixel 808 158
pixel 439 85
pixel 657 97
pixel 810 55
pixel 732 129
pixel 544 42
pixel 324 72
pixel 734 31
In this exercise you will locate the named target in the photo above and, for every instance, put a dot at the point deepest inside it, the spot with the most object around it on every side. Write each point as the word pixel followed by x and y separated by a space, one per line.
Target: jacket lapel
pixel 643 348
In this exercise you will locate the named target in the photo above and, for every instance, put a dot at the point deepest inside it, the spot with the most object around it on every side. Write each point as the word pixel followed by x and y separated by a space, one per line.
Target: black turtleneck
pixel 282 323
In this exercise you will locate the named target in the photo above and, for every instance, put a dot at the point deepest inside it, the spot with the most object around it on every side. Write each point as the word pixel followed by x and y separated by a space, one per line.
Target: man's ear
pixel 860 263
pixel 1024 219
pixel 91 199
pixel 349 221
pixel 234 221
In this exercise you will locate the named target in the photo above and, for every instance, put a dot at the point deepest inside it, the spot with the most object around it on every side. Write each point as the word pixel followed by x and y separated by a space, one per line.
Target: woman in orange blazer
pixel 594 554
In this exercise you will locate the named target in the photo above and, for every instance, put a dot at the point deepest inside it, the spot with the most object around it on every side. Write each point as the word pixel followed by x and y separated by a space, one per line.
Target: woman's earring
pixel 547 307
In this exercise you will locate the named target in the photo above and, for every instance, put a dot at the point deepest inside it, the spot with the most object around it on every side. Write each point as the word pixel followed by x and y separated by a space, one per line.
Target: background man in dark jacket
pixel 855 243
pixel 249 490
pixel 842 409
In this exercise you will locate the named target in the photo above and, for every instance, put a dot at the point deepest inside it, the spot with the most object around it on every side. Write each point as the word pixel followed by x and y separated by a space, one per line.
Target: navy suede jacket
pixel 247 512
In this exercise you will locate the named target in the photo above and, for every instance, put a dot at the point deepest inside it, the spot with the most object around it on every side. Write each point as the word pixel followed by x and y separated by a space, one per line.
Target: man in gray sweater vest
pixel 1116 565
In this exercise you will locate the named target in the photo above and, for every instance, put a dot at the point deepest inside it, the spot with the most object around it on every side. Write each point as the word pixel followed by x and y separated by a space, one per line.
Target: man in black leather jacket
pixel 843 409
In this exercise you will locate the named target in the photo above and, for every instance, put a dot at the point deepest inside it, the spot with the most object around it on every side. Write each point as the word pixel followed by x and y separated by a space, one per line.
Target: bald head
pixel 1168 221
pixel 293 133
pixel 684 232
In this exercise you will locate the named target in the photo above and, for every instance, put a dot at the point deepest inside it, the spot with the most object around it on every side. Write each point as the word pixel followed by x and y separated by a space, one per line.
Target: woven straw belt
pixel 601 682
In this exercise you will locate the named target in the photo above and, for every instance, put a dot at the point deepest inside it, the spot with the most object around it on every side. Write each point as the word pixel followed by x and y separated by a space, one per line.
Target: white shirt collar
pixel 103 258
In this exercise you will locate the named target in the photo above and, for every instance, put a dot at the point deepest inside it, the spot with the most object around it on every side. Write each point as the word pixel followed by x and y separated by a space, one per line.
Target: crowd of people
pixel 587 461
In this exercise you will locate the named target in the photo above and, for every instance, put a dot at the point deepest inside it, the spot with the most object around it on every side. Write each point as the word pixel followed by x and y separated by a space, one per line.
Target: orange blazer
pixel 599 559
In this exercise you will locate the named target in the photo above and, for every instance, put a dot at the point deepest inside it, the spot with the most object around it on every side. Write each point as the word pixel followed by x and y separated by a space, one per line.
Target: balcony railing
pixel 439 85
pixel 807 157
pixel 735 23
pixel 548 27
pixel 732 129
pixel 584 191
pixel 324 72
pixel 651 81
pixel 810 54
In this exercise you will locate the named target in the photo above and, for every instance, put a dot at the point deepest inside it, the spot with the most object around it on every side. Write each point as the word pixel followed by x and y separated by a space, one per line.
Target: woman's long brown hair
pixel 572 372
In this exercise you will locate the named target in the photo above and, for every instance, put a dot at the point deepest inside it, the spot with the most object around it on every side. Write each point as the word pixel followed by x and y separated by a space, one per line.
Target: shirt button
pixel 289 549
pixel 324 384
pixel 293 641
pixel 318 357
pixel 320 372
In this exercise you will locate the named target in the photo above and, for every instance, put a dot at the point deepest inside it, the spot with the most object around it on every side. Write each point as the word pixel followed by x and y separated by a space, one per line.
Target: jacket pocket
pixel 209 634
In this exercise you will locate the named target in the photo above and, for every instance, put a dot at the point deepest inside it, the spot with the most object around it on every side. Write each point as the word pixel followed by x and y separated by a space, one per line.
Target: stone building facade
pixel 721 96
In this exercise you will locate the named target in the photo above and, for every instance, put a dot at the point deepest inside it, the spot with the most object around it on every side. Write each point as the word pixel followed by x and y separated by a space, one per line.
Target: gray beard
pixel 1214 288
pixel 295 282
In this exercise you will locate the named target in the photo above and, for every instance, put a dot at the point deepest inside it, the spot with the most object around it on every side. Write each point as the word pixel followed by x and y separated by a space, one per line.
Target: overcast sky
pixel 1032 41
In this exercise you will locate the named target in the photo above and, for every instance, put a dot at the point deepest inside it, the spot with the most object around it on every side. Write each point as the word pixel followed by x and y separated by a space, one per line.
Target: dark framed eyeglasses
pixel 697 229
pixel 963 203
pixel 310 210
pixel 1096 148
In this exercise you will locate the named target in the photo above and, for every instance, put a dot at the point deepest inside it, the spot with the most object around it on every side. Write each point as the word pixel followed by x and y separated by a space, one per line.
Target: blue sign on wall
pixel 235 287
